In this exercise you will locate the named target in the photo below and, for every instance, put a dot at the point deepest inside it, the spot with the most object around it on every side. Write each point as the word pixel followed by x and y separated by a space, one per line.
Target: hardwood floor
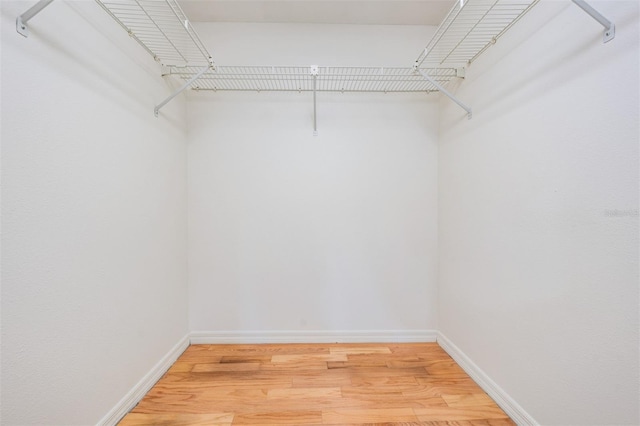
pixel 323 384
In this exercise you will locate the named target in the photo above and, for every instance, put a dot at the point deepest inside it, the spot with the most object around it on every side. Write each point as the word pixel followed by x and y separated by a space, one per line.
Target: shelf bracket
pixel 314 73
pixel 21 21
pixel 609 27
pixel 156 110
pixel 443 90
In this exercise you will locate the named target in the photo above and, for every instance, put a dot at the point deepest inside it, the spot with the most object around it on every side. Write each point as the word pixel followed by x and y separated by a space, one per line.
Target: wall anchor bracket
pixel 609 27
pixel 185 86
pixel 443 90
pixel 21 21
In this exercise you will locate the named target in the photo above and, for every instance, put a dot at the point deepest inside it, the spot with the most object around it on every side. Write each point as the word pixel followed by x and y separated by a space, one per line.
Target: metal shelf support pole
pixel 444 91
pixel 314 73
pixel 21 21
pixel 609 27
pixel 156 110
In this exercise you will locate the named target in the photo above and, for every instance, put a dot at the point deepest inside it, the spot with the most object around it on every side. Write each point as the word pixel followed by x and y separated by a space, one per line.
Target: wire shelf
pixel 162 28
pixel 300 79
pixel 469 29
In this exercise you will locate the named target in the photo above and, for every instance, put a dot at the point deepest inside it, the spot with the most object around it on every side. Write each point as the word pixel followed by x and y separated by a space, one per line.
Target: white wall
pixel 93 216
pixel 538 280
pixel 290 232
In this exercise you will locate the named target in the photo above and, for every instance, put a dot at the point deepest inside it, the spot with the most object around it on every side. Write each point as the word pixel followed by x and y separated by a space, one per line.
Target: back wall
pixel 291 232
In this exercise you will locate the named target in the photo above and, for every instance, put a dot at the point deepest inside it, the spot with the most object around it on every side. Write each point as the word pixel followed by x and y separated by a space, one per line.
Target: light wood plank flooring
pixel 320 384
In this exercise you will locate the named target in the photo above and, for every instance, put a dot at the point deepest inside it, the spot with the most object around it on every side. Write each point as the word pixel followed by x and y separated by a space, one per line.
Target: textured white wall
pixel 93 216
pixel 538 273
pixel 291 232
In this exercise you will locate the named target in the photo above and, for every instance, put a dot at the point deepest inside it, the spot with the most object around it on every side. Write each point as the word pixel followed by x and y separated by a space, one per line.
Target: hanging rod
pixel 609 27
pixel 21 21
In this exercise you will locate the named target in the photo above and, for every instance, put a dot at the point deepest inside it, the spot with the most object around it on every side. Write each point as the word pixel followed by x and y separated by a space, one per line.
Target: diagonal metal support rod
pixel 21 21
pixel 609 27
pixel 445 91
pixel 156 110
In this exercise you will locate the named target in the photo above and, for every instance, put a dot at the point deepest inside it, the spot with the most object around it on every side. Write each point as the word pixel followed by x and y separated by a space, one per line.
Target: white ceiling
pixel 366 12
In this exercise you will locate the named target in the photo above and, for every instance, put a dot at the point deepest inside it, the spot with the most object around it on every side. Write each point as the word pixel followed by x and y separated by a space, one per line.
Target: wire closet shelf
pixel 162 29
pixel 469 28
pixel 327 79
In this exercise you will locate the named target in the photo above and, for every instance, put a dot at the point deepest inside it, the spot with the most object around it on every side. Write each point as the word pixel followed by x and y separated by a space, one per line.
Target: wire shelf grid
pixel 300 79
pixel 162 28
pixel 469 29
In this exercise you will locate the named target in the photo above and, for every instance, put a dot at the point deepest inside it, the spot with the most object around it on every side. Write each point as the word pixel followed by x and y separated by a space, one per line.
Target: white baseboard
pixel 314 336
pixel 508 404
pixel 142 387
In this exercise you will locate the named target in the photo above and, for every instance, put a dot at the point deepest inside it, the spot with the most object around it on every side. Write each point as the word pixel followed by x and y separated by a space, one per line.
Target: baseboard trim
pixel 508 404
pixel 313 336
pixel 144 385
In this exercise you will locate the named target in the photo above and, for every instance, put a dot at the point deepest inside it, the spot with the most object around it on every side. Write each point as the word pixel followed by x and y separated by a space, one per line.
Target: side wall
pixel 291 233
pixel 93 216
pixel 538 207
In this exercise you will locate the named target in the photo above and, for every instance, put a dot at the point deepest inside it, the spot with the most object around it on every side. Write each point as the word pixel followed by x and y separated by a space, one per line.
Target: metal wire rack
pixel 301 79
pixel 162 28
pixel 469 29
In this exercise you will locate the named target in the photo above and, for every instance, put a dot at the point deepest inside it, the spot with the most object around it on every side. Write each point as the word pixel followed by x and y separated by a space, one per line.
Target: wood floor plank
pixel 485 422
pixel 304 393
pixel 430 414
pixel 229 359
pixel 233 366
pixel 467 400
pixel 360 350
pixel 307 384
pixel 264 349
pixel 443 367
pixel 400 383
pixel 295 367
pixel 364 404
pixel 449 387
pixel 214 419
pixel 375 415
pixel 298 358
pixel 279 417
pixel 329 378
pixel 370 392
pixel 350 364
pixel 216 379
